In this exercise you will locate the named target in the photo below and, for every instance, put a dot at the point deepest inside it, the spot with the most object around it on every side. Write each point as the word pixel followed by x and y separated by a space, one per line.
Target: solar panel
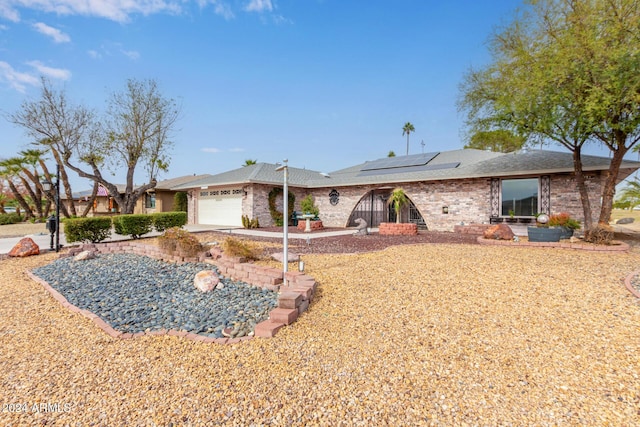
pixel 399 162
pixel 406 169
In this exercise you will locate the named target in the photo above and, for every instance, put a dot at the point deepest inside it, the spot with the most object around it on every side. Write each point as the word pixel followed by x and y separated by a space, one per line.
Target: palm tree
pixel 407 129
pixel 631 194
pixel 398 199
pixel 249 162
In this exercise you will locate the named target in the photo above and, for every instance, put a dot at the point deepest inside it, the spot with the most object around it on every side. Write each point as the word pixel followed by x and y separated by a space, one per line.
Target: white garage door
pixel 220 207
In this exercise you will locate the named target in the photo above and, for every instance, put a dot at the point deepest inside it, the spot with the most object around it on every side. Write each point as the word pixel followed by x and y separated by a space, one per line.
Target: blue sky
pixel 324 83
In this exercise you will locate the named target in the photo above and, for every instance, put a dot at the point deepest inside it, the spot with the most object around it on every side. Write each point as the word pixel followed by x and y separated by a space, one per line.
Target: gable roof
pixel 445 165
pixel 169 184
pixel 259 173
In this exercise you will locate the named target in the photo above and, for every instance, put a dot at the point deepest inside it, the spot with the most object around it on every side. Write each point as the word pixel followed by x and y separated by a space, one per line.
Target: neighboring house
pixel 445 189
pixel 161 197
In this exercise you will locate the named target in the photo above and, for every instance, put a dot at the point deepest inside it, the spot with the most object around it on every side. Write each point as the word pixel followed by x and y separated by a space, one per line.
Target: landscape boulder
pixel 206 280
pixel 84 255
pixel 625 221
pixel 499 232
pixel 279 256
pixel 25 247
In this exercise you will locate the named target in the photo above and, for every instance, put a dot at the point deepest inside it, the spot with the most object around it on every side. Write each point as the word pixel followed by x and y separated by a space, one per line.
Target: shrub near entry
pixel 164 220
pixel 92 230
pixel 134 225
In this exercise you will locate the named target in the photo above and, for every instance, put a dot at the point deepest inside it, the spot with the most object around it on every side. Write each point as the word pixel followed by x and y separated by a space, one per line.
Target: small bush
pixel 11 218
pixel 564 220
pixel 239 248
pixel 176 240
pixel 308 206
pixel 164 220
pixel 92 230
pixel 135 225
pixel 250 223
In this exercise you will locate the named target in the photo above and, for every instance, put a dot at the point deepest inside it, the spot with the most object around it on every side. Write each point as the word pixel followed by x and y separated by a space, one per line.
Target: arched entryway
pixel 374 209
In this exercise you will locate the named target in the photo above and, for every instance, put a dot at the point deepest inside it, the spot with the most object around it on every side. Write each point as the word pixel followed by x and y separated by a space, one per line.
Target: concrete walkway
pixel 43 240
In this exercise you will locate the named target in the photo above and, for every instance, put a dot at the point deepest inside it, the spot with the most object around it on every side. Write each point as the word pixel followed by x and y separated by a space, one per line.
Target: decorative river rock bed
pixel 135 293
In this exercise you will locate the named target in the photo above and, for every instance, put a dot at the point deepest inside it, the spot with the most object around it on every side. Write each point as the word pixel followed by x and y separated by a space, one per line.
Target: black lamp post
pixel 53 224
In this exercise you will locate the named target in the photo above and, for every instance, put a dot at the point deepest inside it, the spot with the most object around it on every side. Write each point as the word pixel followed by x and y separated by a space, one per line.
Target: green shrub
pixel 180 201
pixel 308 206
pixel 164 220
pixel 134 225
pixel 11 218
pixel 91 230
pixel 178 240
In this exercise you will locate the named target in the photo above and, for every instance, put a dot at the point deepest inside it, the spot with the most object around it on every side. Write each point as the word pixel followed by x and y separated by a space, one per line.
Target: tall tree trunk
pixel 65 182
pixel 94 193
pixel 609 190
pixel 582 188
pixel 28 213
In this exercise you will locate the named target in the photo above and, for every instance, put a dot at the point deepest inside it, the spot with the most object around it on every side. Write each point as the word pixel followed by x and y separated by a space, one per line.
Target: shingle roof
pixel 169 184
pixel 259 173
pixel 455 164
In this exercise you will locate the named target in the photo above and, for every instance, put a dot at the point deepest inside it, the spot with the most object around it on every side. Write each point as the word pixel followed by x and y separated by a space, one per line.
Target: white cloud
pixel 94 54
pixel 55 73
pixel 115 10
pixel 132 54
pixel 211 150
pixel 259 6
pixel 3 27
pixel 57 35
pixel 15 79
pixel 219 8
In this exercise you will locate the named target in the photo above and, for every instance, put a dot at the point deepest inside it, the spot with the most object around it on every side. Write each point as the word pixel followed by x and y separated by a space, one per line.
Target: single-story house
pixel 161 197
pixel 445 189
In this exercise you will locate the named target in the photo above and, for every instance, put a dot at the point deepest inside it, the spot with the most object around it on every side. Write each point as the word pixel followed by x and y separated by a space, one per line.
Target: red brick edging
pixel 618 247
pixel 627 284
pixel 397 229
pixel 296 292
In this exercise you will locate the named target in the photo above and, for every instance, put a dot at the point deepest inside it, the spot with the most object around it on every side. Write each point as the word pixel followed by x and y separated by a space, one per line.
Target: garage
pixel 220 207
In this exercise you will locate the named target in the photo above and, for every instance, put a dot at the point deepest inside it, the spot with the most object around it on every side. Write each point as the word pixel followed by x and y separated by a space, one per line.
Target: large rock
pixel 206 280
pixel 279 256
pixel 499 232
pixel 625 221
pixel 84 255
pixel 25 247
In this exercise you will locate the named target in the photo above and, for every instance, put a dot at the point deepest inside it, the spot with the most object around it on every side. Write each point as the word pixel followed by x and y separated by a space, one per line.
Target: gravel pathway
pixel 135 293
pixel 411 335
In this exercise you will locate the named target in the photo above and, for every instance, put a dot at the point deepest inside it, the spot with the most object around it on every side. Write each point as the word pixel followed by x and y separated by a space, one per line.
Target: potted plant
pixel 541 232
pixel 398 200
pixel 565 223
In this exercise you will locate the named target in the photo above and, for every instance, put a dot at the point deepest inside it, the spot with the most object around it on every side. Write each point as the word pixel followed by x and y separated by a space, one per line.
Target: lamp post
pixel 285 219
pixel 54 226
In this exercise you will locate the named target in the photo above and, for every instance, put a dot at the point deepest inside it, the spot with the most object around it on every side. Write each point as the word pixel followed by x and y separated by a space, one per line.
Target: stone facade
pixel 442 204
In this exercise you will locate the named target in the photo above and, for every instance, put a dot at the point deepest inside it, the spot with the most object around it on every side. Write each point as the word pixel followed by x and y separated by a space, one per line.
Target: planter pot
pixel 566 232
pixel 540 234
pixel 395 229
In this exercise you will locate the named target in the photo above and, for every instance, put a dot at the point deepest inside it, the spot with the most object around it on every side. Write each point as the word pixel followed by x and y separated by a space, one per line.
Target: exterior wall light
pixel 445 210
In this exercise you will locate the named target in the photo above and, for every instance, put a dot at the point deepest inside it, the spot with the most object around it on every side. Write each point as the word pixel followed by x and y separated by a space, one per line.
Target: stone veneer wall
pixel 467 201
pixel 566 198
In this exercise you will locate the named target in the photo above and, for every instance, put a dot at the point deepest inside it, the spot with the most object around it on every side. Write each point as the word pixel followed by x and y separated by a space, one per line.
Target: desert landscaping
pixel 420 334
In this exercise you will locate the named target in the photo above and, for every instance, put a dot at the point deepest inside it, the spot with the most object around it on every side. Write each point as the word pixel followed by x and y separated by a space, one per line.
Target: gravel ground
pixel 134 293
pixel 425 334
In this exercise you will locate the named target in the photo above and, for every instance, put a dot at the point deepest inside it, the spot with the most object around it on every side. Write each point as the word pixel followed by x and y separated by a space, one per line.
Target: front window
pixel 520 197
pixel 150 201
